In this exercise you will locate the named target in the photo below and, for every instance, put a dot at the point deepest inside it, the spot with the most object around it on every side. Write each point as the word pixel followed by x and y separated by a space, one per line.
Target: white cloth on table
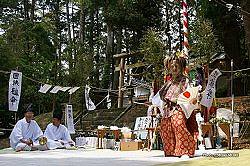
pixel 56 135
pixel 24 130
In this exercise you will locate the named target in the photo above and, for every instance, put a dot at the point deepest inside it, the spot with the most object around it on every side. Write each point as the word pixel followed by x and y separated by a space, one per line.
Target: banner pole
pixel 232 107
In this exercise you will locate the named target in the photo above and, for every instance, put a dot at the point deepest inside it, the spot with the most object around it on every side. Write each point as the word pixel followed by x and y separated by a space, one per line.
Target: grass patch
pixel 243 159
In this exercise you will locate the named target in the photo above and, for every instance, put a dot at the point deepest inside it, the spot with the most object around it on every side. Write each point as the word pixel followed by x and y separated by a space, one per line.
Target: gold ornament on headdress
pixel 178 54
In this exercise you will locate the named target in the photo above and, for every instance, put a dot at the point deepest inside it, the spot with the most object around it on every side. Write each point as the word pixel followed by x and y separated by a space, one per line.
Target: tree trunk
pixel 57 68
pixel 91 38
pixel 118 50
pixel 246 19
pixel 231 39
pixel 110 42
pixel 82 22
pixel 91 30
pixel 26 9
pixel 69 37
pixel 32 13
pixel 109 50
pixel 26 18
pixel 97 56
pixel 167 31
pixel 58 39
pixel 121 82
pixel 68 21
pixel 43 9
pixel 73 37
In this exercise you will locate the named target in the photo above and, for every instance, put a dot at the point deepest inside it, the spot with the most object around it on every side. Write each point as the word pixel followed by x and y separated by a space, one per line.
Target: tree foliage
pixel 204 42
pixel 153 50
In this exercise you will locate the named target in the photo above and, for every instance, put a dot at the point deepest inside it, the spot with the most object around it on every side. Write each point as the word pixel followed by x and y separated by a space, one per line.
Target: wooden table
pixel 209 129
pixel 100 135
pixel 225 127
pixel 102 132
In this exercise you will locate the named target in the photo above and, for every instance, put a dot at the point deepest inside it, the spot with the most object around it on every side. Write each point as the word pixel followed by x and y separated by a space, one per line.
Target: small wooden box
pixel 131 145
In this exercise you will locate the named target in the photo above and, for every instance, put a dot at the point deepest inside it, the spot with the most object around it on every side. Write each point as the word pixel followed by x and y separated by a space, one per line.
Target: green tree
pixel 152 48
pixel 203 41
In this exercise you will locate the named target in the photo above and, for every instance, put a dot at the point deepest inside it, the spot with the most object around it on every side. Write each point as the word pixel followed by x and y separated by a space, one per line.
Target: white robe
pixel 56 135
pixel 25 130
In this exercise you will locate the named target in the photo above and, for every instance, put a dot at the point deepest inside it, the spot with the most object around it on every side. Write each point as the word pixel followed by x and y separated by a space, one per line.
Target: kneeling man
pixel 57 134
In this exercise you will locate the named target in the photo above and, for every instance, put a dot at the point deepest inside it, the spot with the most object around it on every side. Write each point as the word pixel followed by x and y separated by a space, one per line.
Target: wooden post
pixel 54 103
pixel 15 117
pixel 18 104
pixel 121 82
pixel 70 99
pixel 122 58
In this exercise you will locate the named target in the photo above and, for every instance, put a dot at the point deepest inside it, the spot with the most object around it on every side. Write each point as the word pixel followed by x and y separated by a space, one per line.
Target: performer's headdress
pixel 181 60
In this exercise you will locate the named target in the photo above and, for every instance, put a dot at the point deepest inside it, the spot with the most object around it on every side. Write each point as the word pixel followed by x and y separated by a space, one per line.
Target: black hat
pixel 29 108
pixel 57 115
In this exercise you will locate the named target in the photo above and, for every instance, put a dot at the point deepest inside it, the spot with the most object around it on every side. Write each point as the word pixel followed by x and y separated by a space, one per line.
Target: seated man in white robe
pixel 26 133
pixel 57 134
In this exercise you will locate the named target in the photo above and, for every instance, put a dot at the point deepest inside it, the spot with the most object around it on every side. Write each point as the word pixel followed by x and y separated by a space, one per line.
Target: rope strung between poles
pixel 101 89
pixel 229 71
